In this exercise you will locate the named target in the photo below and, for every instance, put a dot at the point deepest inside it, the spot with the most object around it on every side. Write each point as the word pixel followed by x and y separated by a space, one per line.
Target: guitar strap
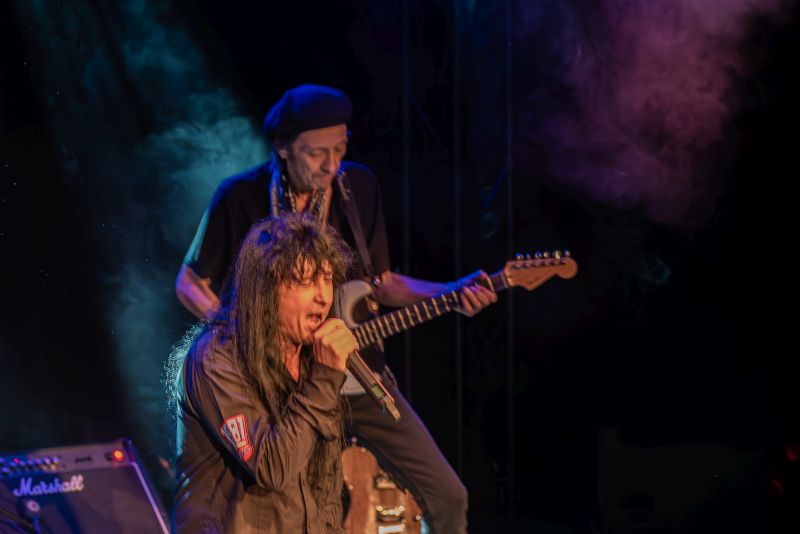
pixel 348 205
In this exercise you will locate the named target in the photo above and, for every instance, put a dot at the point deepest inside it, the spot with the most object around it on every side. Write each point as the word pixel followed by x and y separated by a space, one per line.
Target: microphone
pixel 364 375
pixel 357 369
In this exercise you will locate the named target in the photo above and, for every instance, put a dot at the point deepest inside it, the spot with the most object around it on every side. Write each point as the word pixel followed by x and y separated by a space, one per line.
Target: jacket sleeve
pixel 273 450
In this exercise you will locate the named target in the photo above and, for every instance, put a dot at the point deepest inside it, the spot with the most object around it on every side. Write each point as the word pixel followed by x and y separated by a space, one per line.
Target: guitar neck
pixel 497 282
pixel 373 331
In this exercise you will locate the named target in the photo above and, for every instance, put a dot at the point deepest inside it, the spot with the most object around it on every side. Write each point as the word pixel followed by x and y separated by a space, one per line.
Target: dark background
pixel 654 392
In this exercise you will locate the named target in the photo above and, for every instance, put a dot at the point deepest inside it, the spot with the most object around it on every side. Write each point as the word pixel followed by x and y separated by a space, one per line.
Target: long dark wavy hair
pixel 275 251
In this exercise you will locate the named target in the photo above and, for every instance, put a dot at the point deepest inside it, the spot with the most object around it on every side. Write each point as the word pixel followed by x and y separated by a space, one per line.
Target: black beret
pixel 307 107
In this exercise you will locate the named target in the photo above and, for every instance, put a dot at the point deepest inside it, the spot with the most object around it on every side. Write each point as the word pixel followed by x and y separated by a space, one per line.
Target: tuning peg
pixel 557 254
pixel 538 255
pixel 527 256
pixel 546 255
pixel 567 253
pixel 519 256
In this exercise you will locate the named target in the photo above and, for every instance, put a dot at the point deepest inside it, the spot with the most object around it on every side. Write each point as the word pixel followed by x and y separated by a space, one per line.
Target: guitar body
pixel 377 504
pixel 354 303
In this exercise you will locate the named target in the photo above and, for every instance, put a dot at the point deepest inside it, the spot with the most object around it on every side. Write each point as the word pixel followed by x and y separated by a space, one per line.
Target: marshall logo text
pixel 26 486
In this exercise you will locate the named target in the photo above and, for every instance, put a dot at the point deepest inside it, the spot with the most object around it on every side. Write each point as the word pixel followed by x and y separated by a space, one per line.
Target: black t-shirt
pixel 243 199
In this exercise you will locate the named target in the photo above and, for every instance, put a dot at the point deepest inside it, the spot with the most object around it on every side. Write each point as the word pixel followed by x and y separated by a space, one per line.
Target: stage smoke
pixel 634 102
pixel 144 134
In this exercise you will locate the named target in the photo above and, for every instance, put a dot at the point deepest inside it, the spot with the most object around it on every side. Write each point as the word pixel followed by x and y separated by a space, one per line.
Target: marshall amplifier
pixel 98 488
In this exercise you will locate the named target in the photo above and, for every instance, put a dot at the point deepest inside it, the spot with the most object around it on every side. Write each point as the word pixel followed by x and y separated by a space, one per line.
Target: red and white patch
pixel 234 429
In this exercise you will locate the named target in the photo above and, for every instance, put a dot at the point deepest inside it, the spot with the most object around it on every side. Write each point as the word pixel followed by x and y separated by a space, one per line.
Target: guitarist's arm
pixel 397 290
pixel 195 293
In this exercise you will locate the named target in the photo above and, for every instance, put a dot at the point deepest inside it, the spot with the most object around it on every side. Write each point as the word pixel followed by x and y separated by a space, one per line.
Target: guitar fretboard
pixel 373 331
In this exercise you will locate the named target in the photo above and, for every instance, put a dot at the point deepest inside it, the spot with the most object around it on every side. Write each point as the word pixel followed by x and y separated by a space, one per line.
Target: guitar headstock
pixel 532 271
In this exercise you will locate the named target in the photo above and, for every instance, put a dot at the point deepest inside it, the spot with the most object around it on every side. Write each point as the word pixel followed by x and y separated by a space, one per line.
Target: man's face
pixel 313 159
pixel 303 306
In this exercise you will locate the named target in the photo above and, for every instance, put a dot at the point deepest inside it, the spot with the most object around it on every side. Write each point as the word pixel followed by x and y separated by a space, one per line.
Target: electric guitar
pixel 524 271
pixel 377 504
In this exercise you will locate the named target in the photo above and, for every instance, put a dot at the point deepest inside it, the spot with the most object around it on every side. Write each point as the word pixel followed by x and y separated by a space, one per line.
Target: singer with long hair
pixel 259 417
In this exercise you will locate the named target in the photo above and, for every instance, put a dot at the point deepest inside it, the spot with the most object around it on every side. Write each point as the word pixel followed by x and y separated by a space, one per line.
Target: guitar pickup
pixel 382 482
pixel 390 515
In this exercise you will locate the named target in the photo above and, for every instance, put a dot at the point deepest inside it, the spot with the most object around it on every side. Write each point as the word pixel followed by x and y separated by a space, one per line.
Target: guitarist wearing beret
pixel 308 136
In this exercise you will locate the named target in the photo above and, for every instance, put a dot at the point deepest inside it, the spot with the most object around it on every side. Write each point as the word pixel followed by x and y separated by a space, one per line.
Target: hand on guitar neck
pixel 528 272
pixel 397 290
pixel 475 292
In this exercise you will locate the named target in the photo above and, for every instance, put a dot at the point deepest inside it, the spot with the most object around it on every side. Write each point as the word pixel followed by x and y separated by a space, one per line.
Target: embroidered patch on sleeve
pixel 234 429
